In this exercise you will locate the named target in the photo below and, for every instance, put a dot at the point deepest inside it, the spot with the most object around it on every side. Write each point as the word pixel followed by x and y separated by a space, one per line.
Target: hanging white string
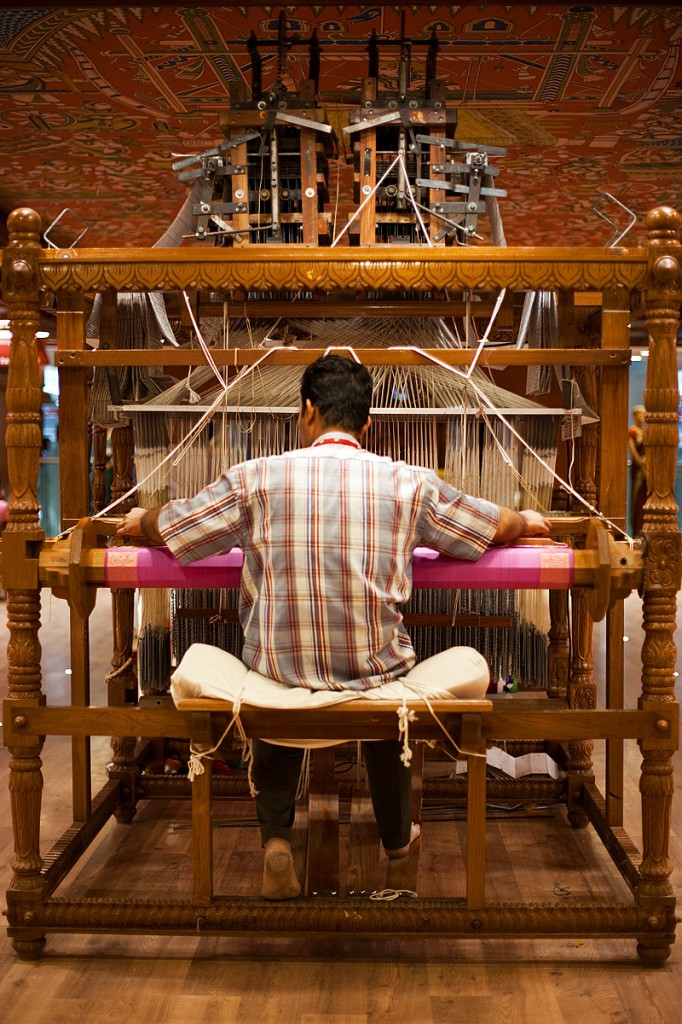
pixel 406 715
pixel 342 348
pixel 496 412
pixel 186 442
pixel 178 452
pixel 410 196
pixel 338 190
pixel 226 325
pixel 194 396
pixel 370 195
pixel 506 457
pixel 195 764
pixel 573 448
pixel 482 343
pixel 364 202
pixel 202 344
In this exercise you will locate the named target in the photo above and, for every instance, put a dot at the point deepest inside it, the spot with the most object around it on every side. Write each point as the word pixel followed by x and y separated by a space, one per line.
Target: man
pixel 328 533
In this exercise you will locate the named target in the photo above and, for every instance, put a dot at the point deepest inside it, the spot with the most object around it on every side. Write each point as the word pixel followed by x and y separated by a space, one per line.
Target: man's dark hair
pixel 341 389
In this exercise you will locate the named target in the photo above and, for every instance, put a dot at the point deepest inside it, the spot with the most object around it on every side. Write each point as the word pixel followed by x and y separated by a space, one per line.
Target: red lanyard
pixel 336 440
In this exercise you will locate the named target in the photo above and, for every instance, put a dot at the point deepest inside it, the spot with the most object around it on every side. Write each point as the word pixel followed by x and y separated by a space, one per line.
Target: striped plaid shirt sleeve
pixel 207 524
pixel 455 523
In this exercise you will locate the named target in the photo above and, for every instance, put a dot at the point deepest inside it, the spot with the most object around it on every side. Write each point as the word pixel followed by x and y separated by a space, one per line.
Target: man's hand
pixel 131 526
pixel 141 523
pixel 536 524
pixel 513 525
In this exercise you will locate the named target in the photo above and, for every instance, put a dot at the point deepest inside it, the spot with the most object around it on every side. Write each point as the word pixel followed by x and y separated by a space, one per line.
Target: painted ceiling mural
pixel 95 101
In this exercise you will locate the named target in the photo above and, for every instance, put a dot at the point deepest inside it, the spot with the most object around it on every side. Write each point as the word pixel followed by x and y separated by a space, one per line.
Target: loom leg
pixel 582 694
pixel 25 774
pixel 473 740
pixel 653 952
pixel 323 826
pixel 122 682
pixel 582 690
pixel 558 654
pixel 664 564
pixel 20 542
pixel 123 768
pixel 656 785
pixel 202 814
pixel 30 949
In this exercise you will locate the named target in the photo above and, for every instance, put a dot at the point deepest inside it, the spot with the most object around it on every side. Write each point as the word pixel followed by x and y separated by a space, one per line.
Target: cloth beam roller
pixel 522 567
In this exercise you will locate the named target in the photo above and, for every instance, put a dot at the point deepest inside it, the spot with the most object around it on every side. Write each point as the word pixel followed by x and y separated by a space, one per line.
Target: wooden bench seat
pixel 359 719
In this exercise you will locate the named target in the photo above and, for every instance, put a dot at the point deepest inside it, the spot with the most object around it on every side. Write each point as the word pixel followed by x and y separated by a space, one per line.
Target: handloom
pixel 572 718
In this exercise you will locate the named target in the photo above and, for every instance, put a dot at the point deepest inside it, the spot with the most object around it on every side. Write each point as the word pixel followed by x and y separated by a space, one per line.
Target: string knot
pixel 405 716
pixel 195 765
pixel 196 759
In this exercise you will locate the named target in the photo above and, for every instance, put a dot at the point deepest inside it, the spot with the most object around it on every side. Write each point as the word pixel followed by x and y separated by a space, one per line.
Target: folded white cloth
pixel 207 671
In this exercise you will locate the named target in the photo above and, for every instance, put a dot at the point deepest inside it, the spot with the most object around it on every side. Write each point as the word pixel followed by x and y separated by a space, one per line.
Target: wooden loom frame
pixel 28 270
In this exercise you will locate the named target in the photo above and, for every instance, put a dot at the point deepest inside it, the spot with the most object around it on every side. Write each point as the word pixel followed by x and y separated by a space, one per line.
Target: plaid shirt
pixel 327 534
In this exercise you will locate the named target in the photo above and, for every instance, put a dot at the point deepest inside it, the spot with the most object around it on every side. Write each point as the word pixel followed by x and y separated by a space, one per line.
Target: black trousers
pixel 276 772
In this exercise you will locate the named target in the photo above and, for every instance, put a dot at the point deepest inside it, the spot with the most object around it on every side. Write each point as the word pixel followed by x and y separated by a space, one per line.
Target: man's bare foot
pixel 415 832
pixel 279 877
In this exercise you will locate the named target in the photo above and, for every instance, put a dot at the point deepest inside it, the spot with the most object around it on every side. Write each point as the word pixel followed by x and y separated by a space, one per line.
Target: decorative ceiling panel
pixel 95 100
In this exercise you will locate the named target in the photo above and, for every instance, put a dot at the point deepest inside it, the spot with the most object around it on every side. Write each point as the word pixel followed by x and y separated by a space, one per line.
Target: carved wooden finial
pixel 662 222
pixel 24 221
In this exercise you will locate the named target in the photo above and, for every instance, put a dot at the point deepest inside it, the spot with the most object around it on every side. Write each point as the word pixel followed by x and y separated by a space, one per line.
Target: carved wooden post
pixel 122 447
pixel 123 678
pixel 582 690
pixel 99 467
pixel 613 412
pixel 20 567
pixel 662 580
pixel 559 647
pixel 558 651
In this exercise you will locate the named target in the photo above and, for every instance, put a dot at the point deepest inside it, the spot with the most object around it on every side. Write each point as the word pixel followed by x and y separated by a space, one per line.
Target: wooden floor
pixel 180 980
